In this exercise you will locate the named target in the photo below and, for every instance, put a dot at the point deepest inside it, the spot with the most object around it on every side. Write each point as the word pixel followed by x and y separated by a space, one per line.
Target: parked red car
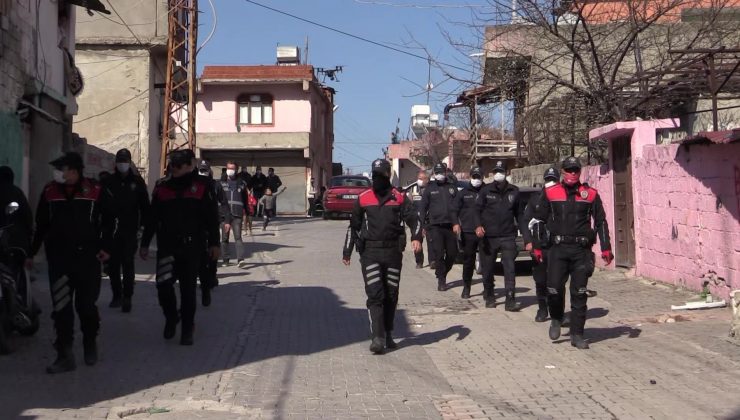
pixel 342 193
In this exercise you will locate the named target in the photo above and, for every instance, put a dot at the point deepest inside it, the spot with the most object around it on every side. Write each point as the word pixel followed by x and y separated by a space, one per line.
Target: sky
pixel 377 85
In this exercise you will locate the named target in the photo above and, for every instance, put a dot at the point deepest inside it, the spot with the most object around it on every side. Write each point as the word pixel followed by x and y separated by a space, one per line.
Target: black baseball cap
pixel 571 162
pixel 439 168
pixel 499 167
pixel 71 160
pixel 180 157
pixel 475 171
pixel 203 166
pixel 551 173
pixel 381 167
pixel 123 155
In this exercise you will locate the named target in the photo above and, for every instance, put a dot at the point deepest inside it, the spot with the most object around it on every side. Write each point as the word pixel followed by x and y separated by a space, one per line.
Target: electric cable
pixel 357 37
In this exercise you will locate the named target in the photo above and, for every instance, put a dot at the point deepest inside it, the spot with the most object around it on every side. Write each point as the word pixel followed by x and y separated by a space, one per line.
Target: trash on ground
pixel 699 305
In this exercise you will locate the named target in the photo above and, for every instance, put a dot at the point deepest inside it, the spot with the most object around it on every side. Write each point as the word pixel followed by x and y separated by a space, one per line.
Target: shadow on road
pixel 249 321
pixel 596 335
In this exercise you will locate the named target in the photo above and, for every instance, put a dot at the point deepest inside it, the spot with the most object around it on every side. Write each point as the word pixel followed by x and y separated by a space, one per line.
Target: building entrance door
pixel 624 216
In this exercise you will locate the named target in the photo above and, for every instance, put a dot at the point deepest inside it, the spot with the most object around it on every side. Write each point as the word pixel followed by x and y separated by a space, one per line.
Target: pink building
pixel 673 209
pixel 275 116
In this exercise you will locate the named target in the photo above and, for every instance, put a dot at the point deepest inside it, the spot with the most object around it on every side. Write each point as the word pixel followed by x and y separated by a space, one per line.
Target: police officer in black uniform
pixel 184 216
pixel 131 204
pixel 439 215
pixel 415 192
pixel 500 210
pixel 566 210
pixel 467 211
pixel 74 246
pixel 376 230
pixel 539 268
pixel 208 267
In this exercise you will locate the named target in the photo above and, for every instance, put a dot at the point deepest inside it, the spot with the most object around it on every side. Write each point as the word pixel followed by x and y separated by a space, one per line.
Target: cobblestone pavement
pixel 287 338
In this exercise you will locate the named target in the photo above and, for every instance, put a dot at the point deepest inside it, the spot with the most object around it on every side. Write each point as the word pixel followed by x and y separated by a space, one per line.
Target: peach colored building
pixel 276 116
pixel 605 11
pixel 673 209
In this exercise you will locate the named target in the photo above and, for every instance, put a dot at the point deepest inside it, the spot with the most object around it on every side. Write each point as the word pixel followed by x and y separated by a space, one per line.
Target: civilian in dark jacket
pixel 208 272
pixel 130 200
pixel 500 209
pixel 75 222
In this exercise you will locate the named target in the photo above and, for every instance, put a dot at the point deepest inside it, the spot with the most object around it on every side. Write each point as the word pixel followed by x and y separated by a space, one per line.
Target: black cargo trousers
pixel 443 248
pixel 121 264
pixel 381 272
pixel 579 262
pixel 179 263
pixel 74 278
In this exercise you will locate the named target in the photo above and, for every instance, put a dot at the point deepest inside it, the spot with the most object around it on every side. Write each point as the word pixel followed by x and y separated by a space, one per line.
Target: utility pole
pixel 178 119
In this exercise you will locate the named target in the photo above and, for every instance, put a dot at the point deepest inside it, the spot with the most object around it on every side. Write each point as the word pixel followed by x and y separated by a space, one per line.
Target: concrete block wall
pixel 690 215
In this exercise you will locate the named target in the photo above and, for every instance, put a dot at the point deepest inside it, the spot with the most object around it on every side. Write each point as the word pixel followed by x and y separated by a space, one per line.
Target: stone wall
pixel 689 215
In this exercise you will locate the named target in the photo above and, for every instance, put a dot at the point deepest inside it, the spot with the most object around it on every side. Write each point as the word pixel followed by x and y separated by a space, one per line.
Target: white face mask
pixel 230 172
pixel 123 167
pixel 439 177
pixel 203 173
pixel 499 177
pixel 58 176
pixel 549 184
pixel 476 183
pixel 421 183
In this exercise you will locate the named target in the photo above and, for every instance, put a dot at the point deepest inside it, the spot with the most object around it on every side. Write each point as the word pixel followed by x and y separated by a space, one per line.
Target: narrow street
pixel 286 337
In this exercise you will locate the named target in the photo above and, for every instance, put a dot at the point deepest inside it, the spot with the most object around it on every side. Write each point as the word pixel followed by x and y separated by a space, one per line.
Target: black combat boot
pixel 490 299
pixel 465 292
pixel 115 302
pixel 126 305
pixel 419 266
pixel 541 312
pixel 65 361
pixel 205 296
pixel 511 304
pixel 170 327
pixel 91 351
pixel 186 337
pixel 433 265
pixel 377 346
pixel 389 343
pixel 555 329
pixel 441 285
pixel 578 342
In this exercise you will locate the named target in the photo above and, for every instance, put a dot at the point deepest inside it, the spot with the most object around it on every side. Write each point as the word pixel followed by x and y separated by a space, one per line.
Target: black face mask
pixel 381 184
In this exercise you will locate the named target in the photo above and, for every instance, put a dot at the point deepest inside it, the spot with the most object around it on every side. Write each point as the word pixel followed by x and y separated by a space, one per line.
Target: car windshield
pixel 350 182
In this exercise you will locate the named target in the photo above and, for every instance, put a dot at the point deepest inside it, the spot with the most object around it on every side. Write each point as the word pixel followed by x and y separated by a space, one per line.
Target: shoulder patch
pixel 556 193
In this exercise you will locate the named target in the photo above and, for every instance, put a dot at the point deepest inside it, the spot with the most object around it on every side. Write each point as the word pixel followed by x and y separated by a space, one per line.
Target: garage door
pixel 290 166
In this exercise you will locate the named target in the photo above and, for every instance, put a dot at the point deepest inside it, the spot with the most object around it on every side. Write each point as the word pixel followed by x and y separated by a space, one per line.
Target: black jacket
pixel 438 204
pixel 467 209
pixel 19 225
pixel 72 219
pixel 130 201
pixel 274 182
pixel 528 215
pixel 381 219
pixel 259 183
pixel 224 213
pixel 500 209
pixel 568 210
pixel 184 210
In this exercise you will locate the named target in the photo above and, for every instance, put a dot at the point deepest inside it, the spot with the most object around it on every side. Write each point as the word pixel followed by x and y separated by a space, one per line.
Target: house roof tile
pixel 248 73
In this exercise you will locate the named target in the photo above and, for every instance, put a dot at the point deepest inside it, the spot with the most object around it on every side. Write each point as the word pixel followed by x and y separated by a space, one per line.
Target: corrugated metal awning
pixel 716 137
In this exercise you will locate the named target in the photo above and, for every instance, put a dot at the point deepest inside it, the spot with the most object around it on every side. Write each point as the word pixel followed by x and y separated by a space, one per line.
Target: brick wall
pixel 688 209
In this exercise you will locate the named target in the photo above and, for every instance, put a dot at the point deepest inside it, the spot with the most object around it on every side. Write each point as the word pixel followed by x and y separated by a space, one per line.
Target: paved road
pixel 287 338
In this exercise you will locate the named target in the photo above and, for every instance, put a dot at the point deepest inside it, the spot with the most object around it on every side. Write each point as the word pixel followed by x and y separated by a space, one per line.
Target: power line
pixel 114 108
pixel 357 37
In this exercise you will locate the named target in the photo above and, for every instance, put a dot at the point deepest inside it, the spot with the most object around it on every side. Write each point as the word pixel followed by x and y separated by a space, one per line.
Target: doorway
pixel 624 216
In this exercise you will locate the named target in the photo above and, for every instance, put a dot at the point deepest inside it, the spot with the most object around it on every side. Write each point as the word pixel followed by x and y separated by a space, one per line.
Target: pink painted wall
pixel 600 177
pixel 686 206
pixel 690 221
pixel 216 109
